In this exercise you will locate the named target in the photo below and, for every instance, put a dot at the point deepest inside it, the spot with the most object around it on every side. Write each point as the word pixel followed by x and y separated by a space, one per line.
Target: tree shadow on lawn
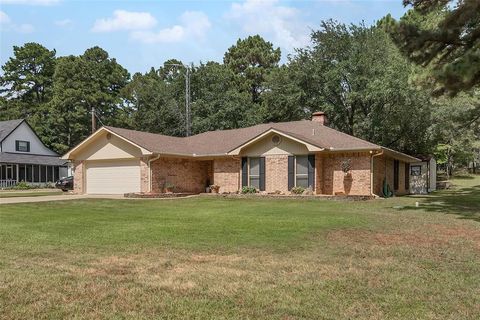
pixel 464 202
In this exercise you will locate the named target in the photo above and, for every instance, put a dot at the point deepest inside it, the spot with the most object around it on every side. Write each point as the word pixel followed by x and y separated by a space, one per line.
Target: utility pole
pixel 93 120
pixel 187 100
pixel 187 95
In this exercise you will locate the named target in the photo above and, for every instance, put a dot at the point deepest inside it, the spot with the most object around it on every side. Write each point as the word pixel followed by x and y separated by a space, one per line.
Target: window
pixel 407 176
pixel 36 173
pixel 49 174
pixel 22 146
pixel 396 171
pixel 28 177
pixel 416 170
pixel 254 172
pixel 301 171
pixel 43 174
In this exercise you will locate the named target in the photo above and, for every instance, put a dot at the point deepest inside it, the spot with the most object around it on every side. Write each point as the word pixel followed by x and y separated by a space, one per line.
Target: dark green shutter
pixel 262 173
pixel 17 145
pixel 28 146
pixel 311 171
pixel 244 171
pixel 291 172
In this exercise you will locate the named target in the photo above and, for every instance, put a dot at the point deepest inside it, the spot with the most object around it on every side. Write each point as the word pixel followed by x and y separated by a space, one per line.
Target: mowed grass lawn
pixel 215 258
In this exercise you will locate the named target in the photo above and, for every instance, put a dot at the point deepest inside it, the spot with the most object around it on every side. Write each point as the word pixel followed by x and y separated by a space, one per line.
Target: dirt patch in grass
pixel 426 236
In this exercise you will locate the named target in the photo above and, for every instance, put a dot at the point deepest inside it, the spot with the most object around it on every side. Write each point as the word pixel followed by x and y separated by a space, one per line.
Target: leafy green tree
pixel 444 35
pixel 251 59
pixel 153 105
pixel 283 98
pixel 218 104
pixel 26 84
pixel 456 137
pixel 358 77
pixel 92 80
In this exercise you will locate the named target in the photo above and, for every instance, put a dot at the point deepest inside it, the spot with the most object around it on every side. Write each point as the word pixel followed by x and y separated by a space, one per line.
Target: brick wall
pixel 144 175
pixel 226 174
pixel 318 173
pixel 185 175
pixel 334 179
pixel 383 167
pixel 78 167
pixel 276 173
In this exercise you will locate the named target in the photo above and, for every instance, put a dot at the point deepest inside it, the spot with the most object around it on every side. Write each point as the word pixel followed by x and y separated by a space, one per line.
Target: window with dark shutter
pixel 291 172
pixel 262 174
pixel 244 171
pixel 311 171
pixel 22 146
pixel 301 171
pixel 254 172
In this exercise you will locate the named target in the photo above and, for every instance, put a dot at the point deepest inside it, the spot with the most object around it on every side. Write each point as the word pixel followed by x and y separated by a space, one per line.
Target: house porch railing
pixel 7 183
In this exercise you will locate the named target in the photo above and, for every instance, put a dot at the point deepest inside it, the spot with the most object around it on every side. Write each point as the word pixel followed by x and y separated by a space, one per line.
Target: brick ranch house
pixel 271 157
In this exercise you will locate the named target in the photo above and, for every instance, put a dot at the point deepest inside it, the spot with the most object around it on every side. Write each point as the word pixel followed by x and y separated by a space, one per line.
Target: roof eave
pixel 68 155
pixel 400 155
pixel 310 147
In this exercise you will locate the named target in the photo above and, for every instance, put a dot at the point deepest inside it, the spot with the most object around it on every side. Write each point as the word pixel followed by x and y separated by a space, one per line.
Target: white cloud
pixel 125 20
pixel 7 24
pixel 31 2
pixel 4 18
pixel 282 24
pixel 63 23
pixel 193 24
pixel 24 28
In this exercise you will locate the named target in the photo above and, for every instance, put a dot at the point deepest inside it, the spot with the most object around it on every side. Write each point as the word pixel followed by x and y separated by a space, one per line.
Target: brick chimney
pixel 320 117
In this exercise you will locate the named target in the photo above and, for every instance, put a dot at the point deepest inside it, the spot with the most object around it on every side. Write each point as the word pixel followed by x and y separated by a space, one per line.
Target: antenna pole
pixel 187 100
pixel 93 120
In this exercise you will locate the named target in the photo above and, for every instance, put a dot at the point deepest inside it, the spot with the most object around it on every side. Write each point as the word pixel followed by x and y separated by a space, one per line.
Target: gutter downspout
pixel 150 171
pixel 371 173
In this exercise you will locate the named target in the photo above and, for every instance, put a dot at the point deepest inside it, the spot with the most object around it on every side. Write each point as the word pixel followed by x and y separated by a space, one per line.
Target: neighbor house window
pixel 254 172
pixel 301 171
pixel 22 146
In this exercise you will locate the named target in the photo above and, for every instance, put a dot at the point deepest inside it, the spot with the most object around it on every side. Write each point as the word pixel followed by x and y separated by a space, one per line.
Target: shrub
pixel 248 189
pixel 297 190
pixel 22 185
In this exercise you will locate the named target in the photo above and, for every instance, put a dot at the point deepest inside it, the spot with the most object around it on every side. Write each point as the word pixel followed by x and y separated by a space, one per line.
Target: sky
pixel 143 34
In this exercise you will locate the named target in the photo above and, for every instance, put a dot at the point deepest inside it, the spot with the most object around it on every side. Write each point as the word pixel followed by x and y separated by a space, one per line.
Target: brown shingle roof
pixel 223 141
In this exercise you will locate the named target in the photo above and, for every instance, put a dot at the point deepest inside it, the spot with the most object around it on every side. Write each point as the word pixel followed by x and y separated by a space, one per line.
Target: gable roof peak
pixel 8 126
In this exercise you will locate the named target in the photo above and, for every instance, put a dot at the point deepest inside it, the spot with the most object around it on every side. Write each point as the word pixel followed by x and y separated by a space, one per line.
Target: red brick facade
pixel 276 173
pixel 332 180
pixel 383 167
pixel 193 175
pixel 226 174
pixel 144 175
pixel 185 175
pixel 78 174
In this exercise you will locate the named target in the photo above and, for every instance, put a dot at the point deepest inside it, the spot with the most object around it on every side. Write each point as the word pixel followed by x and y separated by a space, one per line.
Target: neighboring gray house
pixel 24 157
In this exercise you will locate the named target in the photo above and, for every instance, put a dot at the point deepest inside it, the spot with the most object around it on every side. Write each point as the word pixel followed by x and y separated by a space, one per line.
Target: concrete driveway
pixel 62 197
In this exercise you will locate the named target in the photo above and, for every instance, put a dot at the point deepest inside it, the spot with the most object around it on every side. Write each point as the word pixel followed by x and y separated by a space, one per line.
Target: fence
pixel 7 183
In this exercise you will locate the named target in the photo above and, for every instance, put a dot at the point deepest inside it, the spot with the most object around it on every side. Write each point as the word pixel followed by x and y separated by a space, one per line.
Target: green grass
pixel 211 258
pixel 13 194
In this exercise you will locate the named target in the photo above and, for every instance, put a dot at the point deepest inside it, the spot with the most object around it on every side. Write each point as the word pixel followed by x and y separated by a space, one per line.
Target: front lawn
pixel 212 258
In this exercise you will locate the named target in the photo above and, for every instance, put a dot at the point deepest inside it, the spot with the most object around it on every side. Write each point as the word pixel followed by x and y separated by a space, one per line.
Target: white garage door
pixel 113 177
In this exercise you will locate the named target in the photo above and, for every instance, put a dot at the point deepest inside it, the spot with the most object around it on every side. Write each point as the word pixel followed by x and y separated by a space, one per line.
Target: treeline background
pixel 355 73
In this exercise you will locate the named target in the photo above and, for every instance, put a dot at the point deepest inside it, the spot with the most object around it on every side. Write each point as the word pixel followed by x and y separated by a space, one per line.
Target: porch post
pixel 17 171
